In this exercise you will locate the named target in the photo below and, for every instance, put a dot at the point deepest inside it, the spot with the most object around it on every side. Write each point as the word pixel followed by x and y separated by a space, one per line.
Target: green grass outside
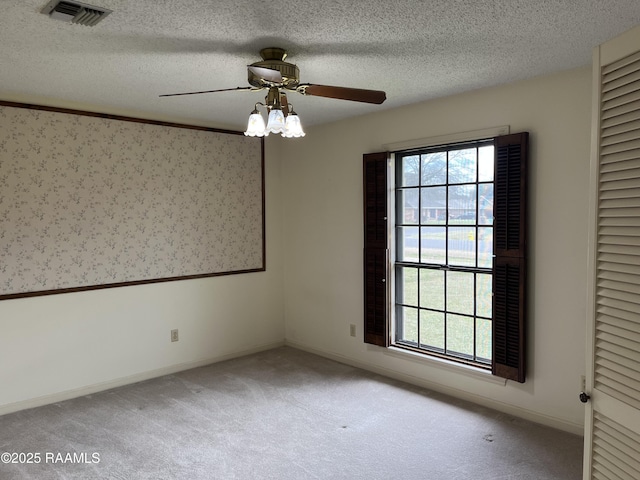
pixel 459 302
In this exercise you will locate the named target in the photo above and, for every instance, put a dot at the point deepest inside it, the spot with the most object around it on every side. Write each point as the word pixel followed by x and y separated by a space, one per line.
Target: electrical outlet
pixel 174 335
pixel 352 329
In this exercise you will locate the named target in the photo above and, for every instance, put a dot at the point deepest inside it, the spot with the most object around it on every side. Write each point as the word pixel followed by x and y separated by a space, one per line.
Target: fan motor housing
pixel 273 59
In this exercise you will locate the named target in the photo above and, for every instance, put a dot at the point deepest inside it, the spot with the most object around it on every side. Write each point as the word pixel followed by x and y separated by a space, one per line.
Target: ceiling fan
pixel 279 77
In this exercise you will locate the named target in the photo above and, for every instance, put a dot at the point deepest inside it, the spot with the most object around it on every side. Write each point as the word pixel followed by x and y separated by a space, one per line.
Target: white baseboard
pixel 119 382
pixel 549 421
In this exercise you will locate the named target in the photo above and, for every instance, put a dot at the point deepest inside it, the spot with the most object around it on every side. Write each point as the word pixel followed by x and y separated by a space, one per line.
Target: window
pixel 443 251
pixel 459 255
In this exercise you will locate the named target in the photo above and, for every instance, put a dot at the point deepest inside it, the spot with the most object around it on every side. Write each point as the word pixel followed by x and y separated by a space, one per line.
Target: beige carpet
pixel 281 414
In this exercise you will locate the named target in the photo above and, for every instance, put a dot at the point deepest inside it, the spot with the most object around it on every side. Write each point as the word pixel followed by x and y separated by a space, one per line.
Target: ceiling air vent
pixel 75 12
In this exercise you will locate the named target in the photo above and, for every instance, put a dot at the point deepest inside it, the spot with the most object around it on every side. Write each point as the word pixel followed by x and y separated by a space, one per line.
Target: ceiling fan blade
pixel 213 91
pixel 273 76
pixel 343 93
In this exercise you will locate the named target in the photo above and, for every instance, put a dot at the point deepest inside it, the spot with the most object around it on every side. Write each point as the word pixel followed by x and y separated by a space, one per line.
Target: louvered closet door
pixel 612 433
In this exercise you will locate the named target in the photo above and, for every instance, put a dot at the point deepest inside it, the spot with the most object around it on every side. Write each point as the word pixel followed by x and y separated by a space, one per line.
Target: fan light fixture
pixel 292 126
pixel 288 127
pixel 275 124
pixel 286 123
pixel 256 126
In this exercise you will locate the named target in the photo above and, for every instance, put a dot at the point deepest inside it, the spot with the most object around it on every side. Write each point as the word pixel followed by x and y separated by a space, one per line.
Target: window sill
pixel 440 363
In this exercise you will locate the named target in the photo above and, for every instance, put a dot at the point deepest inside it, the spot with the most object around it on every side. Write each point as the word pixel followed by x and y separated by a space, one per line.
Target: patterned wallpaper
pixel 88 201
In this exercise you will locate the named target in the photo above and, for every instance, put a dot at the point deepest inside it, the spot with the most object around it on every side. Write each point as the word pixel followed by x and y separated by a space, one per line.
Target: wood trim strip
pixel 123 118
pixel 40 293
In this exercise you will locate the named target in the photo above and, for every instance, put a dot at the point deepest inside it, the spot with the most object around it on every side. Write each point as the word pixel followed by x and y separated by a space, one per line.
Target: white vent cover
pixel 75 12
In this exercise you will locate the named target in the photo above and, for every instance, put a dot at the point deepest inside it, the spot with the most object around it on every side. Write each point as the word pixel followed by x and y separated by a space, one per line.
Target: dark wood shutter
pixel 376 302
pixel 510 248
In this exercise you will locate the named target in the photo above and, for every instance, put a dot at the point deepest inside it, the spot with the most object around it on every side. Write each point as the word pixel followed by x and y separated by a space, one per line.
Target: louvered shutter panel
pixel 509 264
pixel 615 418
pixel 376 309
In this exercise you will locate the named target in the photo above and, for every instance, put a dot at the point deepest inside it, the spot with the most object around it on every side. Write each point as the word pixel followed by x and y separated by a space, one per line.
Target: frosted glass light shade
pixel 276 122
pixel 255 126
pixel 293 127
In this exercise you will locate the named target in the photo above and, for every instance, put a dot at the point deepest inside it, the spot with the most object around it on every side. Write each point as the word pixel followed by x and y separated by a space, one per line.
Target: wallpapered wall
pixel 88 201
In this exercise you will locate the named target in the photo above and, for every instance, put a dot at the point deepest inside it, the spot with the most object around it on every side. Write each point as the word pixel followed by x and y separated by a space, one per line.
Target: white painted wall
pixel 322 214
pixel 60 346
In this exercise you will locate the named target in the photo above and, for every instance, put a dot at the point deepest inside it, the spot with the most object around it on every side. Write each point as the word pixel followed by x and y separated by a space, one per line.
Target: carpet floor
pixel 279 414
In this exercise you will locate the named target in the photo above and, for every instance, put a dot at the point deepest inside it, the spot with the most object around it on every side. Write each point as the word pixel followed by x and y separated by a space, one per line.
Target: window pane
pixel 432 329
pixel 410 171
pixel 462 165
pixel 460 334
pixel 432 289
pixel 444 211
pixel 485 161
pixel 433 247
pixel 408 205
pixel 462 204
pixel 483 295
pixel 483 339
pixel 485 247
pixel 462 246
pixel 407 238
pixel 485 203
pixel 460 292
pixel 434 205
pixel 408 326
pixel 407 286
pixel 434 168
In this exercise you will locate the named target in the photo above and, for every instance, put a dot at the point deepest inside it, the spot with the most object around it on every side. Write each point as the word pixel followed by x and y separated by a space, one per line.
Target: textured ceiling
pixel 414 50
